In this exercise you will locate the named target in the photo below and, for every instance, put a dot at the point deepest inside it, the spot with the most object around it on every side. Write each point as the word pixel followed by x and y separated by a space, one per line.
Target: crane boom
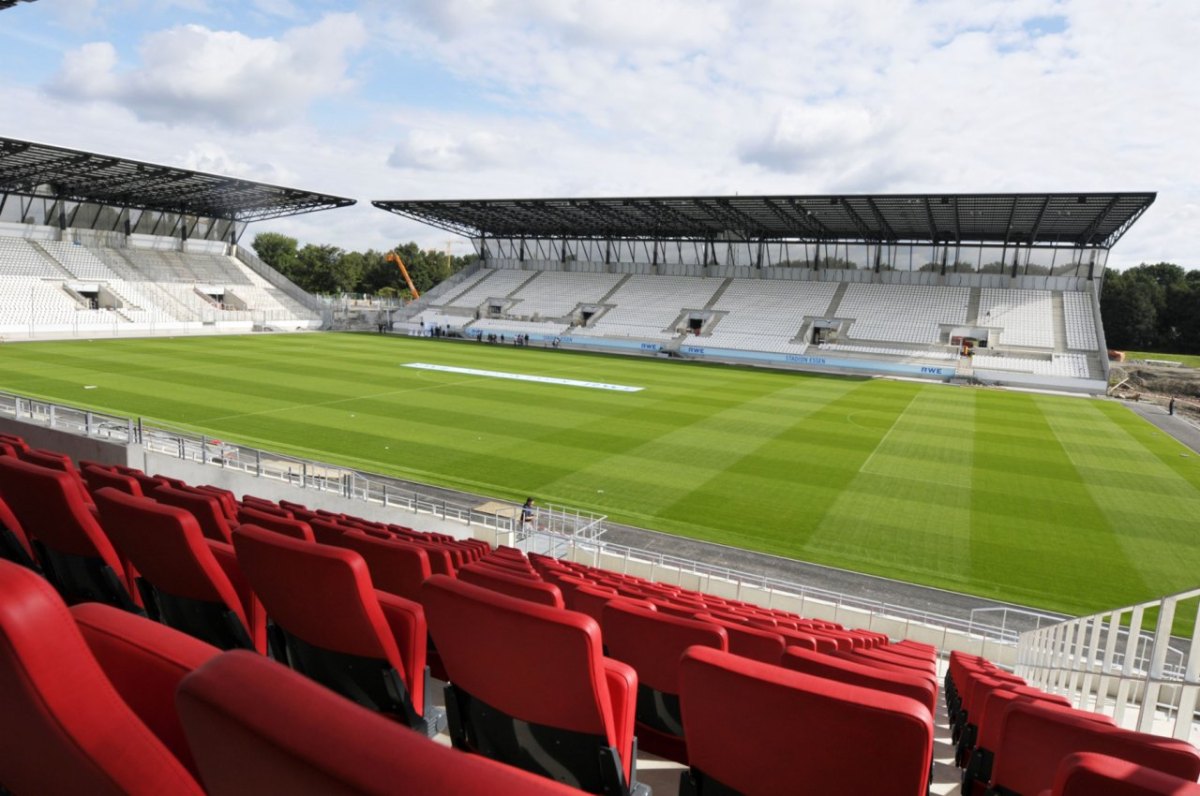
pixel 392 257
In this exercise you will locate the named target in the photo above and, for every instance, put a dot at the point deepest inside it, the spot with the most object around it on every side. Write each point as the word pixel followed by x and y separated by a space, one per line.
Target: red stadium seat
pixel 365 644
pixel 97 478
pixel 145 662
pixel 59 461
pixel 396 567
pixel 529 686
pixel 70 545
pixel 753 728
pixel 750 642
pixel 297 738
pixel 65 731
pixel 522 588
pixel 893 682
pixel 184 585
pixel 653 644
pixel 1035 738
pixel 1089 774
pixel 205 508
pixel 285 526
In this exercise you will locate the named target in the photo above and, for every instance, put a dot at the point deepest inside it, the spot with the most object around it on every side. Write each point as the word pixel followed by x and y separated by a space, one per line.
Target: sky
pixel 468 99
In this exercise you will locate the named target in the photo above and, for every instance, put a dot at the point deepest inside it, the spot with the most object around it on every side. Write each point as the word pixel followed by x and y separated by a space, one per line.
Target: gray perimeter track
pixel 856 584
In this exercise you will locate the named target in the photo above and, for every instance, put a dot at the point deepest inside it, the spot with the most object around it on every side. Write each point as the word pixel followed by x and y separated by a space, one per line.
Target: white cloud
pixel 616 97
pixel 219 78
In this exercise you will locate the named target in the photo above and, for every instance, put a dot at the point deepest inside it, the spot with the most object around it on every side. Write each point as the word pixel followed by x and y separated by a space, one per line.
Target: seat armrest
pixel 406 619
pixel 622 692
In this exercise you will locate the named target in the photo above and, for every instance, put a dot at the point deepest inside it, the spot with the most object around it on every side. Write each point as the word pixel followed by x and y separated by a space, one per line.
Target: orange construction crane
pixel 392 257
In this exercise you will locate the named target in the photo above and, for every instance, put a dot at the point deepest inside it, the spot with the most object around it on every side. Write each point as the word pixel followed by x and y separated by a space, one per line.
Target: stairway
pixel 712 301
pixel 973 307
pixel 835 302
pixel 37 247
pixel 1060 322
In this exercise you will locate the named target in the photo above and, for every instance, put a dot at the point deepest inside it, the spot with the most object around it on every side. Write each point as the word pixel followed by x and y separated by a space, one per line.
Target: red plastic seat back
pixel 1034 738
pixel 532 662
pixel 320 594
pixel 98 478
pixel 64 729
pixel 751 642
pixel 166 546
pixel 50 509
pixel 297 738
pixel 843 671
pixel 296 529
pixel 535 591
pixel 205 508
pixel 808 734
pixel 653 643
pixel 1090 774
pixel 145 662
pixel 396 567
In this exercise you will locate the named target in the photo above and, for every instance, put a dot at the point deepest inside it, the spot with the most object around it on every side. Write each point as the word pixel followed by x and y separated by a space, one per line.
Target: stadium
pixel 815 479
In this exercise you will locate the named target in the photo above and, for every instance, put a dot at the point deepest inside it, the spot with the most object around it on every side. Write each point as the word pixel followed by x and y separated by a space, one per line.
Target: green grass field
pixel 1187 360
pixel 1063 503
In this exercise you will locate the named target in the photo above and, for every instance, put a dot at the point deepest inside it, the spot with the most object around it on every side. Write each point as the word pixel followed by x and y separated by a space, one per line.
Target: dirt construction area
pixel 1150 382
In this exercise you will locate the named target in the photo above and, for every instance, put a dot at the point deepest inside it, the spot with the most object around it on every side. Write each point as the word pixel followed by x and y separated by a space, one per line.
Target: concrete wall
pixel 87 448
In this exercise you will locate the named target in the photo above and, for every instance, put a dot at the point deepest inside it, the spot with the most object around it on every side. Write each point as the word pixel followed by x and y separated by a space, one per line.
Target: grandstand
pixel 1000 288
pixel 96 245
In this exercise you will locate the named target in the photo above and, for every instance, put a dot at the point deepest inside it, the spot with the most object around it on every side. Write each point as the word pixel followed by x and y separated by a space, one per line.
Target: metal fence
pixel 1108 662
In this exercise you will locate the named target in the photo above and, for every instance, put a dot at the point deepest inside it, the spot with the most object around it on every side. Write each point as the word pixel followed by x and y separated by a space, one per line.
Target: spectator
pixel 527 514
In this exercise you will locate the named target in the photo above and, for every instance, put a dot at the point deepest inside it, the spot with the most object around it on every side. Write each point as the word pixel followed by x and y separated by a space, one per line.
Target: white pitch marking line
pixel 498 374
pixel 863 468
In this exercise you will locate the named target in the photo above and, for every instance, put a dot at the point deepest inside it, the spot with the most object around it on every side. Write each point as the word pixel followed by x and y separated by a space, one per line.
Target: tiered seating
pixel 1016 739
pixel 1081 323
pixel 154 286
pixel 498 326
pixel 889 352
pixel 1073 366
pixel 1026 316
pixel 902 313
pixel 555 293
pixel 751 699
pixel 79 260
pixel 21 259
pixel 765 315
pixel 645 305
pixel 499 283
pixel 432 318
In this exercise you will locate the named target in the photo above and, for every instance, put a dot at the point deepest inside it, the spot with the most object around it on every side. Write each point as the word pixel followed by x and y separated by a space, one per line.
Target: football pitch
pixel 1062 503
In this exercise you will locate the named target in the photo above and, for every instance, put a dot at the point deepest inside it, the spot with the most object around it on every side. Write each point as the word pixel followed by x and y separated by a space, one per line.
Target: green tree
pixel 276 250
pixel 1127 307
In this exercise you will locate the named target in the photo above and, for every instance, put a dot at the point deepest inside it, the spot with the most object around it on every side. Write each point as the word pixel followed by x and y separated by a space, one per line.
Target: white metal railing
pixel 301 473
pixel 1108 663
pixel 559 545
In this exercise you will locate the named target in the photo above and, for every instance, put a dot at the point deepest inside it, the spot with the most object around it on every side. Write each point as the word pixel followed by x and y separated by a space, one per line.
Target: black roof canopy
pixel 1059 219
pixel 72 175
pixel 10 3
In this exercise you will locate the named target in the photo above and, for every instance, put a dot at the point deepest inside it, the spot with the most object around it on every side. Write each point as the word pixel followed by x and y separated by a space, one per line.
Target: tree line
pixel 1152 308
pixel 329 270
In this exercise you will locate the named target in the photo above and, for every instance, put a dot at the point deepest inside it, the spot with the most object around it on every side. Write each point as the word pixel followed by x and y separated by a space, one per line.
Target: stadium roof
pixel 1076 219
pixel 29 168
pixel 10 3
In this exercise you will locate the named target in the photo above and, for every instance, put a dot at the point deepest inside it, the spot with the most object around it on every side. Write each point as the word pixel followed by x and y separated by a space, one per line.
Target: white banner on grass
pixel 497 374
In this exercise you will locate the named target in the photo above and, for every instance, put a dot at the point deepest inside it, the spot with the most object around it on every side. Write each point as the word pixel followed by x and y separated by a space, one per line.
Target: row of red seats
pixel 734 714
pixel 103 702
pixel 320 598
pixel 1014 738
